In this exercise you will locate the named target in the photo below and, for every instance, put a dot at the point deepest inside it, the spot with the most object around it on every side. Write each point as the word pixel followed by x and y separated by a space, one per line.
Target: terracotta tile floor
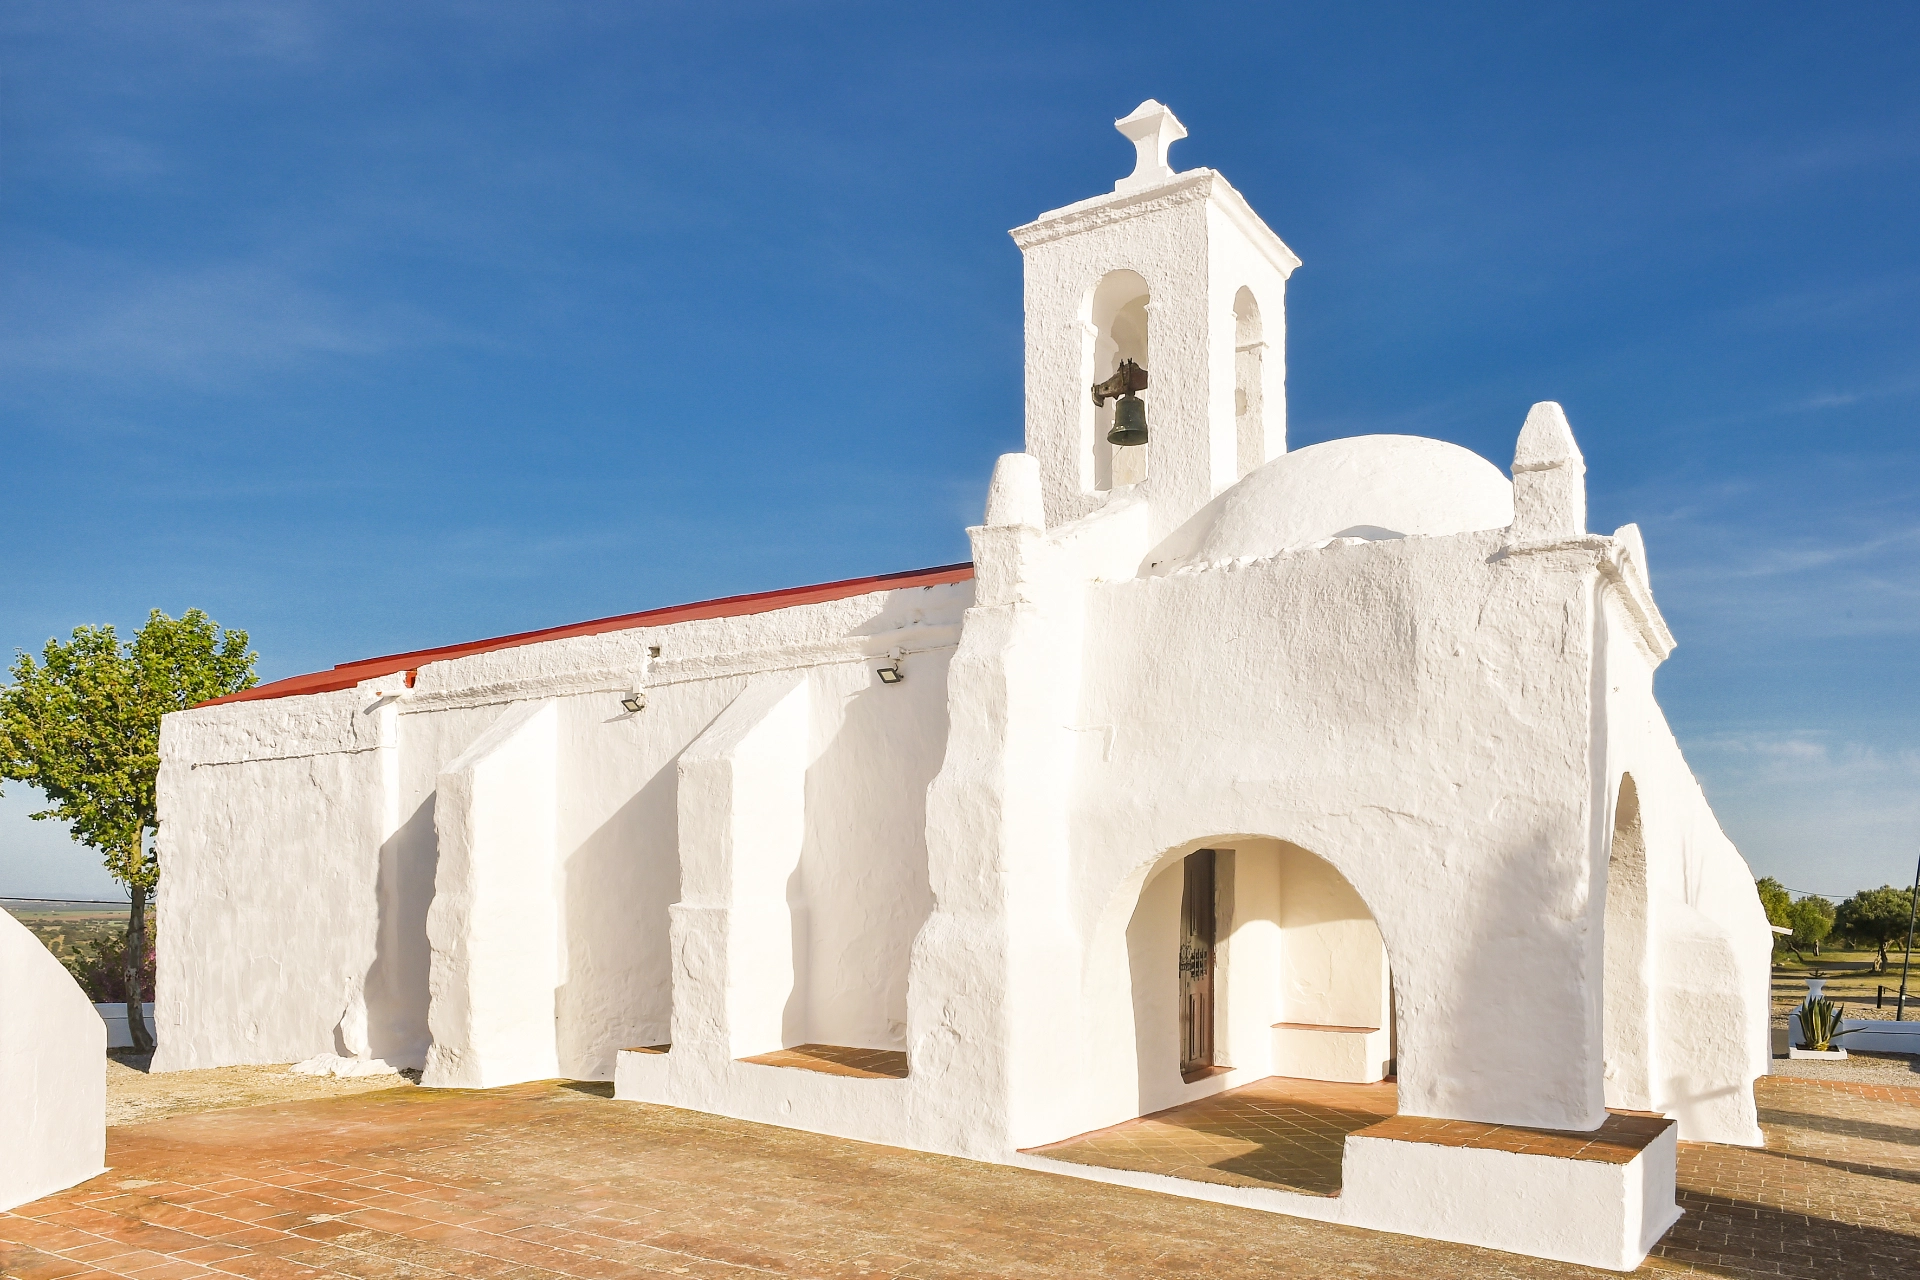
pixel 1620 1137
pixel 838 1060
pixel 1275 1132
pixel 549 1180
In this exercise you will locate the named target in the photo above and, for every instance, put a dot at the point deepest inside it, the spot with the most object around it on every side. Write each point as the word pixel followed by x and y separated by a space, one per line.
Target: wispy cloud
pixel 202 325
pixel 1824 813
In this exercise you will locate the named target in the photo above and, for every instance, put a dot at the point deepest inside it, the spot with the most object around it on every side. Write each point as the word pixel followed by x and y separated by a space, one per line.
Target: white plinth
pixel 1601 1211
pixel 640 1075
pixel 1349 1055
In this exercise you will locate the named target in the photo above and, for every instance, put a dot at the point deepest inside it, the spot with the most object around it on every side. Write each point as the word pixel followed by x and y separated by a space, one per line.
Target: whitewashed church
pixel 1218 763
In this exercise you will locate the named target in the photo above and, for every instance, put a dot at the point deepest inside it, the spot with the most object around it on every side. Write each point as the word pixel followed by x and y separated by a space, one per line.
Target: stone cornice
pixel 1623 573
pixel 1186 188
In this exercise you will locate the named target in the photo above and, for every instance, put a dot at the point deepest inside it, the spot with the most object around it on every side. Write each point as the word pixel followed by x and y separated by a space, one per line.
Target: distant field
pixel 63 927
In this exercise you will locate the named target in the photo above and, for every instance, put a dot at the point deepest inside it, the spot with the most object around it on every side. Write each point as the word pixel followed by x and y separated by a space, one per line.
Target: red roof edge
pixel 349 674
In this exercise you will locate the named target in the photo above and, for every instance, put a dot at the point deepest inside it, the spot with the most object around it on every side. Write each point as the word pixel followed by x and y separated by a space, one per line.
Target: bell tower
pixel 1177 274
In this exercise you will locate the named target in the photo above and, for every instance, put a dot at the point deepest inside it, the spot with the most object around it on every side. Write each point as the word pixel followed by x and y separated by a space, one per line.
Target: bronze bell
pixel 1129 421
pixel 1129 414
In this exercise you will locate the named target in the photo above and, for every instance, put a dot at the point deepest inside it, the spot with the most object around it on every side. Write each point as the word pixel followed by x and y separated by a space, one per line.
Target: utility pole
pixel 1913 908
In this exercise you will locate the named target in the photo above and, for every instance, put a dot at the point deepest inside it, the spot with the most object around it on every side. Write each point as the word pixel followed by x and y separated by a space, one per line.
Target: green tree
pixel 1775 899
pixel 83 725
pixel 1878 916
pixel 1812 920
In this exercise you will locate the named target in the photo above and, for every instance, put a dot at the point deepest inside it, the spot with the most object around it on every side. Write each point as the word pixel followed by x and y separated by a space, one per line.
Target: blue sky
pixel 369 327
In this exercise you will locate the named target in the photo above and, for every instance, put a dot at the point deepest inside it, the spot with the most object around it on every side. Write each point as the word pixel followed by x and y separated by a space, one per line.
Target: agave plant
pixel 1820 1024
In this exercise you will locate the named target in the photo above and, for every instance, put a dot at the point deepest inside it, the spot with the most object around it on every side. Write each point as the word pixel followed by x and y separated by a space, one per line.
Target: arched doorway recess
pixel 1276 952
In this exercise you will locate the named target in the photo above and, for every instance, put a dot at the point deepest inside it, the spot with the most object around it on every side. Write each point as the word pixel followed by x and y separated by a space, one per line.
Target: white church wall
pixel 272 817
pixel 397 982
pixel 1249 965
pixel 1702 1004
pixel 987 1020
pixel 620 867
pixel 873 749
pixel 1413 650
pixel 1332 960
pixel 53 1077
pixel 742 807
pixel 1153 954
pixel 298 838
pixel 494 923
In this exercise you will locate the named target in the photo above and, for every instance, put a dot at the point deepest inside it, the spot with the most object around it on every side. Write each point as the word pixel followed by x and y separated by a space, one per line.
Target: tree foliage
pixel 1812 920
pixel 1775 899
pixel 83 725
pixel 1876 916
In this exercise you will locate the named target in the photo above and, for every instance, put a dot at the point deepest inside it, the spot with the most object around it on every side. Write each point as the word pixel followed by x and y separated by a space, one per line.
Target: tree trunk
pixel 136 953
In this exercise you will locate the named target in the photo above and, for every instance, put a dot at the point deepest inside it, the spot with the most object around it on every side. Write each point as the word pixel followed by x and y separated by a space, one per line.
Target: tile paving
pixel 1275 1132
pixel 1620 1137
pixel 838 1060
pixel 555 1180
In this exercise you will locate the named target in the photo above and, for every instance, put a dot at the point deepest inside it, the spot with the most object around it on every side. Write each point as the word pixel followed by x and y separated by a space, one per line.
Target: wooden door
pixel 1196 966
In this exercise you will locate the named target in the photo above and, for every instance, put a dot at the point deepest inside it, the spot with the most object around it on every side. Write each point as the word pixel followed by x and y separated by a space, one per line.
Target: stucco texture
pixel 53 1083
pixel 1405 700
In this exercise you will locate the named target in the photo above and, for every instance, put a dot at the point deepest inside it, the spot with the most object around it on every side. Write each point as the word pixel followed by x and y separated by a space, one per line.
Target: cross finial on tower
pixel 1152 128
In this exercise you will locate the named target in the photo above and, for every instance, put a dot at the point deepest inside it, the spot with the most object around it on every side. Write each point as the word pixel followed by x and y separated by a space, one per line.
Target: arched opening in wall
pixel 1252 1014
pixel 1249 408
pixel 1257 958
pixel 1116 330
pixel 1627 997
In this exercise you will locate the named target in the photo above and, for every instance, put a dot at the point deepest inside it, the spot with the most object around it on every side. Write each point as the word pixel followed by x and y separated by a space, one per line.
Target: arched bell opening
pixel 1627 996
pixel 1115 316
pixel 1249 395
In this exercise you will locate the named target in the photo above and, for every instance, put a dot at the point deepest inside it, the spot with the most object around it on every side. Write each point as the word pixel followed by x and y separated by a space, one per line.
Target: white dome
pixel 1370 487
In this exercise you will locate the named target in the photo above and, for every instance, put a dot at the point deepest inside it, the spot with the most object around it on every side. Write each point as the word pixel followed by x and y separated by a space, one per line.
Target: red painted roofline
pixel 349 674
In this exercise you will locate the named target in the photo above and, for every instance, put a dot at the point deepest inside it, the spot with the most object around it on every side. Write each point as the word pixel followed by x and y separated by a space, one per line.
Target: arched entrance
pixel 1252 957
pixel 1257 1006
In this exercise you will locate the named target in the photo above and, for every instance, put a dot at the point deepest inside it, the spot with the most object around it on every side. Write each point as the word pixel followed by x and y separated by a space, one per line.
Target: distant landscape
pixel 81 935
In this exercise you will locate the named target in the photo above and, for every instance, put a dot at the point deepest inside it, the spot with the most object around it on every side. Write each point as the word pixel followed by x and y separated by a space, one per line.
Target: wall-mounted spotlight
pixel 892 672
pixel 634 702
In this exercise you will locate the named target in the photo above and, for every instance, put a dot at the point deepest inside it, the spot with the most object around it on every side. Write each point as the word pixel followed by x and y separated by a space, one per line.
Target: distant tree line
pixel 1871 918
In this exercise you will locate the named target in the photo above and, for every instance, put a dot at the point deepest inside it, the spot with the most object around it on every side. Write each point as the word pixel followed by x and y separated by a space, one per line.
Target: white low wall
pixel 1583 1211
pixel 115 1018
pixel 1870 1035
pixel 53 1073
pixel 1875 1035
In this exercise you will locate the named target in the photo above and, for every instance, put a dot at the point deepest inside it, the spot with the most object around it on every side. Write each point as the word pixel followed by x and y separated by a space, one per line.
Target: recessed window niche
pixel 1249 351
